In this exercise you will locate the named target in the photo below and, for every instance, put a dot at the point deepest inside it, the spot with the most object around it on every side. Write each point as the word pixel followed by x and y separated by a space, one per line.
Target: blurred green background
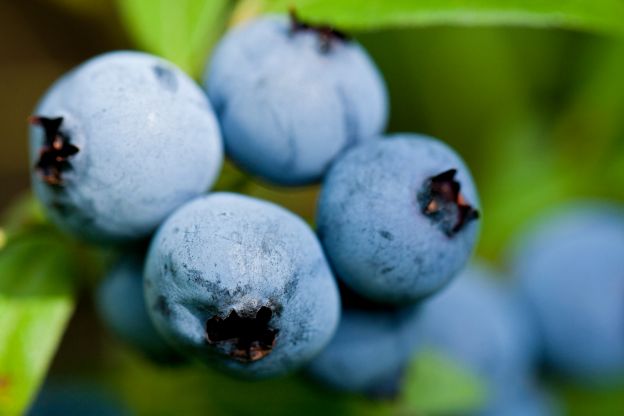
pixel 538 113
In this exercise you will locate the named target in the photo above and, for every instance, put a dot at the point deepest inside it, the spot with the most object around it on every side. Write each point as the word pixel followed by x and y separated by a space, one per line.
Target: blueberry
pixel 530 401
pixel 570 271
pixel 290 97
pixel 241 283
pixel 396 217
pixel 369 352
pixel 121 305
pixel 474 323
pixel 118 143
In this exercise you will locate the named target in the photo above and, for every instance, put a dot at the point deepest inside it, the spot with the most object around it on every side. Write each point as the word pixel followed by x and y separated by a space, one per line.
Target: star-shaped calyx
pixel 440 200
pixel 245 337
pixel 55 152
pixel 327 34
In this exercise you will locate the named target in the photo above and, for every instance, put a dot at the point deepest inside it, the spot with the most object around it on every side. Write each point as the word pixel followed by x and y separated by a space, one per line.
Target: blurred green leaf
pixel 36 302
pixel 522 176
pixel 581 401
pixel 539 162
pixel 179 30
pixel 433 385
pixel 301 200
pixel 602 16
pixel 202 391
pixel 589 129
pixel 232 179
pixel 24 213
pixel 436 385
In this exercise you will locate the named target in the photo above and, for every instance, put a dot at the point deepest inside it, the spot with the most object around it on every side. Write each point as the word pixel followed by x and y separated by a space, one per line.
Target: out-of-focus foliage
pixel 533 112
pixel 207 392
pixel 36 302
pixel 23 215
pixel 181 31
pixel 603 16
pixel 580 401
pixel 434 385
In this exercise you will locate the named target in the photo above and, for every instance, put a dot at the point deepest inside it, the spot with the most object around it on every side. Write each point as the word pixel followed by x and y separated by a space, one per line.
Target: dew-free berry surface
pixel 118 143
pixel 241 283
pixel 570 271
pixel 121 305
pixel 398 217
pixel 291 97
pixel 474 322
pixel 530 401
pixel 369 352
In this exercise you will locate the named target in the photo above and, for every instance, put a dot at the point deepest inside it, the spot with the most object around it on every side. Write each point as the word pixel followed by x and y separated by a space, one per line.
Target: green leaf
pixel 584 400
pixel 602 16
pixel 24 214
pixel 437 385
pixel 36 302
pixel 232 179
pixel 588 132
pixel 179 30
pixel 206 391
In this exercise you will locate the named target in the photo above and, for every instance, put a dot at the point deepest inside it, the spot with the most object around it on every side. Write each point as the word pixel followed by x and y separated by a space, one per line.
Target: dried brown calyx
pixel 441 200
pixel 247 337
pixel 56 150
pixel 327 33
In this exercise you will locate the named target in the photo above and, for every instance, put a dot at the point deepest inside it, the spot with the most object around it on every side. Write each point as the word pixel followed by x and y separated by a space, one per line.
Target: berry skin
pixel 241 283
pixel 291 97
pixel 120 142
pixel 121 305
pixel 397 217
pixel 474 322
pixel 369 352
pixel 570 271
pixel 530 401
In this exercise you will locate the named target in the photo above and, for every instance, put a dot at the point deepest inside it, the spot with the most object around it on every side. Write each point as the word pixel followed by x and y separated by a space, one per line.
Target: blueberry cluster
pixel 569 273
pixel 125 147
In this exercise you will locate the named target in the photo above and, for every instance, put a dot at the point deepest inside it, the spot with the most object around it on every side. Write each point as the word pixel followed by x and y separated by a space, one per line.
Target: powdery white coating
pixel 474 323
pixel 148 140
pixel 570 271
pixel 121 305
pixel 369 351
pixel 372 226
pixel 287 108
pixel 227 252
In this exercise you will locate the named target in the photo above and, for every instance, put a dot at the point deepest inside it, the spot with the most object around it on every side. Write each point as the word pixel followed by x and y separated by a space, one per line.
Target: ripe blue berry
pixel 369 352
pixel 290 97
pixel 475 323
pixel 241 283
pixel 118 143
pixel 121 305
pixel 570 271
pixel 397 217
pixel 530 401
